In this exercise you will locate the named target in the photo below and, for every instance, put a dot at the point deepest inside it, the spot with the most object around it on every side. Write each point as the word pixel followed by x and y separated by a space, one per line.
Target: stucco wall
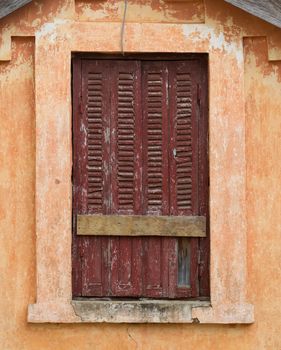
pixel 262 80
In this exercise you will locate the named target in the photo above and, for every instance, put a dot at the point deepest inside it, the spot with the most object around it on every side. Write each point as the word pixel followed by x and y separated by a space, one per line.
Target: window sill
pixel 138 311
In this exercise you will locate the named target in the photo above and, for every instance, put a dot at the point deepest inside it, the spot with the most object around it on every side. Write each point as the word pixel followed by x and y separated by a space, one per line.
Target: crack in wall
pixel 132 338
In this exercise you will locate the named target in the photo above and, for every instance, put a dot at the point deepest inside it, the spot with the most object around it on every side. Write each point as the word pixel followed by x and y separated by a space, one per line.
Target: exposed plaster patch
pixel 50 29
pixel 217 41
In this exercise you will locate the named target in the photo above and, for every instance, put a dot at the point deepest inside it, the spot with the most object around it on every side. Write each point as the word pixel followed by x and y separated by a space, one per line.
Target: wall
pixel 17 191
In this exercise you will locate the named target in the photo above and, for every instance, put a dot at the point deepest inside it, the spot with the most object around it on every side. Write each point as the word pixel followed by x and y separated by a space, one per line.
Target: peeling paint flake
pixel 216 40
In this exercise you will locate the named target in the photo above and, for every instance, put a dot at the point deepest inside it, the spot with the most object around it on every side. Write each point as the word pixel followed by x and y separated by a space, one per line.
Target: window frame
pixel 53 172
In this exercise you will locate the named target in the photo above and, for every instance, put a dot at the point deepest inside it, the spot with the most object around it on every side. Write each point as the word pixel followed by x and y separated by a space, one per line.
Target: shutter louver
pixel 125 141
pixel 155 119
pixel 125 138
pixel 183 130
pixel 184 139
pixel 95 143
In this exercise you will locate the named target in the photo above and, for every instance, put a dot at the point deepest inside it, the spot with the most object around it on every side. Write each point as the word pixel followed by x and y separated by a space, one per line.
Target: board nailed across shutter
pixel 136 152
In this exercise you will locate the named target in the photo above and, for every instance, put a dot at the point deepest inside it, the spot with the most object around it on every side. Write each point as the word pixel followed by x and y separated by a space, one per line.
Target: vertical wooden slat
pixel 183 149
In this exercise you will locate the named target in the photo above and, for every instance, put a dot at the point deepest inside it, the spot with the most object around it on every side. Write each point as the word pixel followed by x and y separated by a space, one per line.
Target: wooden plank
pixel 9 6
pixel 269 10
pixel 140 225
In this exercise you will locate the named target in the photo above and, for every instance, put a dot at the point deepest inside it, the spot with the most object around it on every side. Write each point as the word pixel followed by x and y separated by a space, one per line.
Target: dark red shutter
pixel 126 167
pixel 138 150
pixel 155 175
pixel 91 173
pixel 184 163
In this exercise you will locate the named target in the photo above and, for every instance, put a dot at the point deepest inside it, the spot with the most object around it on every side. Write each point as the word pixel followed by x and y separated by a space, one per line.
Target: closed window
pixel 140 177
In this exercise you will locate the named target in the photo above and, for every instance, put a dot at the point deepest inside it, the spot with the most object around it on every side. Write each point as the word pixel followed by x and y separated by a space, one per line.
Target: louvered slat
pixel 125 139
pixel 183 149
pixel 154 141
pixel 184 140
pixel 95 142
pixel 155 126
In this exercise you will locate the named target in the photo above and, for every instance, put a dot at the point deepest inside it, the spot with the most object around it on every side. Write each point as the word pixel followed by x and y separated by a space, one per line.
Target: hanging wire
pixel 123 27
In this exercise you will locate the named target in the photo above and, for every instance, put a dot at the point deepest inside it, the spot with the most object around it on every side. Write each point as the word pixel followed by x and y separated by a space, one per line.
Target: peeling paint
pixel 215 38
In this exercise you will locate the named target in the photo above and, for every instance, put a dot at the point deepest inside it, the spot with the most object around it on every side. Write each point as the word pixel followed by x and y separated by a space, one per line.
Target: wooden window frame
pixel 54 303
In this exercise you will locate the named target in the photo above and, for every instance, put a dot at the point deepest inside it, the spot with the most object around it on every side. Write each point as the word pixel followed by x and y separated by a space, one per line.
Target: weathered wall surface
pixel 17 182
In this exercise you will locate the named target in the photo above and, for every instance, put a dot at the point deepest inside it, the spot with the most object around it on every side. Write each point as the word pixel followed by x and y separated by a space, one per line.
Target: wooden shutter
pixel 156 250
pixel 91 173
pixel 184 167
pixel 126 135
pixel 138 150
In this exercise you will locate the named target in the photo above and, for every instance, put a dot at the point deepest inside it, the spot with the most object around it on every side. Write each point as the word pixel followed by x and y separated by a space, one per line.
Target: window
pixel 228 269
pixel 140 177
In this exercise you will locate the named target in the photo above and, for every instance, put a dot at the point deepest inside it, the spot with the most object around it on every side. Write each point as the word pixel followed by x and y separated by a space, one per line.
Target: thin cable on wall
pixel 123 26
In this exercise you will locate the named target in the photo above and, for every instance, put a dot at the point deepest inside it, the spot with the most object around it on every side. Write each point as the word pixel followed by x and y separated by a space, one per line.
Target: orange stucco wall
pixel 17 187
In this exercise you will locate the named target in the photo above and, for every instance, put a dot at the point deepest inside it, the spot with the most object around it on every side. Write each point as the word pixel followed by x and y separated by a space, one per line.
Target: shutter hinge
pixel 199 95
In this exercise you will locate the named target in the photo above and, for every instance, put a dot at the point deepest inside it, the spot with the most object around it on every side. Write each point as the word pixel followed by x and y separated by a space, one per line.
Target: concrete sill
pixel 139 311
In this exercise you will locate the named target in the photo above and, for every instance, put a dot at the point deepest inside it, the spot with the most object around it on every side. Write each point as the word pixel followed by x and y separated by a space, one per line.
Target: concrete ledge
pixel 95 311
pixel 139 311
pixel 224 313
